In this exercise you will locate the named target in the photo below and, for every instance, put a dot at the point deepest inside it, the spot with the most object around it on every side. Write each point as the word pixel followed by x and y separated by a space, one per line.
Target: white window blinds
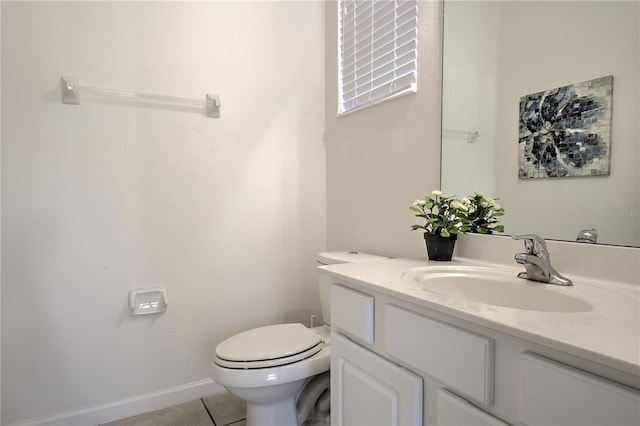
pixel 378 51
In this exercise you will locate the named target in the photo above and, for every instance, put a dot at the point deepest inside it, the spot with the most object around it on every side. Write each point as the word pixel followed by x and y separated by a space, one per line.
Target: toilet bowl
pixel 281 370
pixel 269 381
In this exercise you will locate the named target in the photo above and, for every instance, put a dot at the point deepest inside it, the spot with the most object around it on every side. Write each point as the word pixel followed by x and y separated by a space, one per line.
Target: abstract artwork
pixel 566 131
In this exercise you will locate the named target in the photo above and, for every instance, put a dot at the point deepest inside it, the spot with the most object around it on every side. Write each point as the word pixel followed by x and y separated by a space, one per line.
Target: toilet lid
pixel 268 346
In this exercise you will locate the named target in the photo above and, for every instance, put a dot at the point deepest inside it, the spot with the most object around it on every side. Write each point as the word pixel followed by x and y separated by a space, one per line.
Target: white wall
pixel 471 60
pixel 97 199
pixel 382 158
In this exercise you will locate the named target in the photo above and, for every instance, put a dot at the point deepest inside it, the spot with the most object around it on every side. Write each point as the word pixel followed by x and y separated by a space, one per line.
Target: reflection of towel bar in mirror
pixel 472 135
pixel 70 92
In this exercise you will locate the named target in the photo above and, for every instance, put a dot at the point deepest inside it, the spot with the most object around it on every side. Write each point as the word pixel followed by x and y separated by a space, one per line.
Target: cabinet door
pixel 461 359
pixel 352 313
pixel 557 394
pixel 367 390
pixel 455 411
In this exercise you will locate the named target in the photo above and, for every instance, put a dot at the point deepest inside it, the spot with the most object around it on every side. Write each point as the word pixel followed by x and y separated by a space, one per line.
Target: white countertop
pixel 609 334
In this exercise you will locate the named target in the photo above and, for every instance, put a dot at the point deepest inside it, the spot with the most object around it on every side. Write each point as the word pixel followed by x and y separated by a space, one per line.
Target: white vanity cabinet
pixel 396 362
pixel 382 354
pixel 368 390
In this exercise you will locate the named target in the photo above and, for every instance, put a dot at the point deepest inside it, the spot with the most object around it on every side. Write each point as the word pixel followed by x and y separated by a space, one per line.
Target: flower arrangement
pixel 443 215
pixel 449 216
pixel 482 215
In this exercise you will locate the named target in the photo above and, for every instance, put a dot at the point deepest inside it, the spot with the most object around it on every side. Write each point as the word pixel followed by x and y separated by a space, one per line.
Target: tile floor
pixel 217 410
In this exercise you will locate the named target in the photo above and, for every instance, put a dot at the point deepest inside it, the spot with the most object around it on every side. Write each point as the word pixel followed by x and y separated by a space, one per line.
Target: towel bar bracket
pixel 69 90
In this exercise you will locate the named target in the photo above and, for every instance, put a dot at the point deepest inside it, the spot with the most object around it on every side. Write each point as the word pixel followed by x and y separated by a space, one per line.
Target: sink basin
pixel 493 286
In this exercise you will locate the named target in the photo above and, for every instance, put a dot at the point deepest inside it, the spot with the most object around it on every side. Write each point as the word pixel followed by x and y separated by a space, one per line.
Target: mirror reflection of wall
pixel 496 52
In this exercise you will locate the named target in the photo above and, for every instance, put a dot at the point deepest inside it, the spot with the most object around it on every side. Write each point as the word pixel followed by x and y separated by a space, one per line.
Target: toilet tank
pixel 324 282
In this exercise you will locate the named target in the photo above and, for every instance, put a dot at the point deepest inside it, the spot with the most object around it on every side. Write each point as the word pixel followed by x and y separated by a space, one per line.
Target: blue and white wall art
pixel 566 131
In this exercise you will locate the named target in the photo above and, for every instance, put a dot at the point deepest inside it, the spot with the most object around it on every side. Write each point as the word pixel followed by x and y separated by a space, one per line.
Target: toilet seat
pixel 270 346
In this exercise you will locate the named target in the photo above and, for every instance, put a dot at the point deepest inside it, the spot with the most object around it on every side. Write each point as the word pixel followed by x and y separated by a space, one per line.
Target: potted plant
pixel 444 218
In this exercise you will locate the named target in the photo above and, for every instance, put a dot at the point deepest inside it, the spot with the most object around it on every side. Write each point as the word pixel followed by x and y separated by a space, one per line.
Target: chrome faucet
pixel 588 236
pixel 536 261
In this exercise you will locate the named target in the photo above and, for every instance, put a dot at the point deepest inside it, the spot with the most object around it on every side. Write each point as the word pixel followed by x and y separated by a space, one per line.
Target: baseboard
pixel 130 407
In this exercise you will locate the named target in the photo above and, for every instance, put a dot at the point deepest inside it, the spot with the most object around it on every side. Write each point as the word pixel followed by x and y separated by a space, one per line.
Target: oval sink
pixel 496 287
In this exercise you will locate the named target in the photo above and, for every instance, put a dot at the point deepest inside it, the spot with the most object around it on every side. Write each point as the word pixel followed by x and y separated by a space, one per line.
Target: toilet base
pixel 280 413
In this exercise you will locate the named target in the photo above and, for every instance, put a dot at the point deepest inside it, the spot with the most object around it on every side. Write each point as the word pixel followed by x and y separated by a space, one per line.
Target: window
pixel 378 51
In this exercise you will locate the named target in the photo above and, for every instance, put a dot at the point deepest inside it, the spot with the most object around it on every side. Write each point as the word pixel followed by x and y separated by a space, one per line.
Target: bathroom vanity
pixel 415 342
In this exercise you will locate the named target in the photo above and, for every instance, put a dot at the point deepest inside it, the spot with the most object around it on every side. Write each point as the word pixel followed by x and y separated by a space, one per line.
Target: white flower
pixel 480 194
pixel 466 201
pixel 436 193
pixel 458 205
pixel 417 203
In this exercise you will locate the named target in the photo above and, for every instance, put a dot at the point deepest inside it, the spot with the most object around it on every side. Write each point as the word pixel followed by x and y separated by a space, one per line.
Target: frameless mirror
pixel 498 52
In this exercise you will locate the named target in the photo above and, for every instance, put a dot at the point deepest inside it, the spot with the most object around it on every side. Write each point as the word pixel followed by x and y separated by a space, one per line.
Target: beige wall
pixel 227 214
pixel 382 158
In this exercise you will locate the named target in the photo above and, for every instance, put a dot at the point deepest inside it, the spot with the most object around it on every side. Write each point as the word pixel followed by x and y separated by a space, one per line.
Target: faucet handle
pixel 534 244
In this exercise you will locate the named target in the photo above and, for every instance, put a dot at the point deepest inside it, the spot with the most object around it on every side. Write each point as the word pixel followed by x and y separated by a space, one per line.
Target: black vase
pixel 440 248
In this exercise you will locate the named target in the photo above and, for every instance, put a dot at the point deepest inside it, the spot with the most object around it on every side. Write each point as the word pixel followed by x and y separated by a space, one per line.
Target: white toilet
pixel 282 371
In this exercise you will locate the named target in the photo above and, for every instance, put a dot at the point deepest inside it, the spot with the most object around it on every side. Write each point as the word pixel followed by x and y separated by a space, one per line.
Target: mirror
pixel 497 52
